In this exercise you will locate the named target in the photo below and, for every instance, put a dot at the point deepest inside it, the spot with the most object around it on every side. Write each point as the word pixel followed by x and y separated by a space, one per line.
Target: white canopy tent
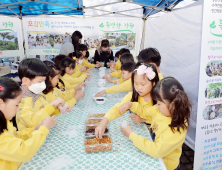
pixel 175 31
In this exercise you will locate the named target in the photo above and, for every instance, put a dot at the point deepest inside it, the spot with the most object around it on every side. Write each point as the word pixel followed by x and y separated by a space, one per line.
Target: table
pixel 64 147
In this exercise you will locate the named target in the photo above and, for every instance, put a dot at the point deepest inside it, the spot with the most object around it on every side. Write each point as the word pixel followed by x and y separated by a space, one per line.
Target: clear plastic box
pixel 98 147
pixel 93 121
pixel 95 115
pixel 87 127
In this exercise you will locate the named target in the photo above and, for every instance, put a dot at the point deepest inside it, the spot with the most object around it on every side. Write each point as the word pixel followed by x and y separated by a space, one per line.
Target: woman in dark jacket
pixel 104 54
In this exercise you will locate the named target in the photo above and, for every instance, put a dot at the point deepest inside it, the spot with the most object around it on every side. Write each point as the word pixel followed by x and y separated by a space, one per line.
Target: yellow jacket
pixel 67 85
pixel 76 72
pixel 118 65
pixel 87 64
pixel 31 113
pixel 114 113
pixel 68 96
pixel 167 145
pixel 19 146
pixel 74 81
pixel 117 73
pixel 120 80
pixel 125 86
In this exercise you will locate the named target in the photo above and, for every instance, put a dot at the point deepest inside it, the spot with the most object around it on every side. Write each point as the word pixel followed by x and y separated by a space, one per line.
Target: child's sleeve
pixel 74 81
pixel 18 150
pixel 125 86
pixel 121 80
pixel 76 73
pixel 145 112
pixel 27 115
pixel 118 65
pixel 66 95
pixel 114 113
pixel 116 74
pixel 87 64
pixel 160 75
pixel 163 146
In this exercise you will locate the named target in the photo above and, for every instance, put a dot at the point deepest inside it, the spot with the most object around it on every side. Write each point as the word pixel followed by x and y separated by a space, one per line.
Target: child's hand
pixel 136 119
pixel 68 108
pixel 100 93
pixel 79 94
pixel 115 82
pixel 126 131
pixel 83 68
pixel 99 131
pixel 38 126
pixel 58 101
pixel 80 86
pixel 125 107
pixel 113 65
pixel 104 77
pixel 49 122
pixel 109 79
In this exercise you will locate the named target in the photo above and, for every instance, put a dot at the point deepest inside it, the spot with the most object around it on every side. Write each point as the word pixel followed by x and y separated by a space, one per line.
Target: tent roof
pixel 87 8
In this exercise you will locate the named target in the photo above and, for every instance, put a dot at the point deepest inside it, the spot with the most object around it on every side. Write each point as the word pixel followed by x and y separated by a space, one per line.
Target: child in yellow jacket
pixel 34 107
pixel 125 58
pixel 18 146
pixel 64 85
pixel 127 70
pixel 142 86
pixel 86 62
pixel 116 66
pixel 67 69
pixel 170 121
pixel 52 92
pixel 79 70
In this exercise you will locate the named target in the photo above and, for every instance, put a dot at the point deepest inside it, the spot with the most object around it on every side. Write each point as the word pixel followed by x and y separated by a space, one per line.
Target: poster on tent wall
pixel 11 38
pixel 208 146
pixel 45 36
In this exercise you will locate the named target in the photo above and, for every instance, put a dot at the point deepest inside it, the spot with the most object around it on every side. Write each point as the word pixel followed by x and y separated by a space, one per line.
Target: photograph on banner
pixel 9 65
pixel 43 57
pixel 8 41
pixel 214 68
pixel 213 91
pixel 116 41
pixel 46 40
pixel 212 112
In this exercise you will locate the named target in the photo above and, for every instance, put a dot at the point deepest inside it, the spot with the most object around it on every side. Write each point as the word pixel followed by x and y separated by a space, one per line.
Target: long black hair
pixel 9 89
pixel 135 95
pixel 67 62
pixel 52 73
pixel 170 90
pixel 76 36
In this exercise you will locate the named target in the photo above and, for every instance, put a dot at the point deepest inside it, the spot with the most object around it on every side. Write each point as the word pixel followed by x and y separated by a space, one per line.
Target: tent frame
pixel 144 6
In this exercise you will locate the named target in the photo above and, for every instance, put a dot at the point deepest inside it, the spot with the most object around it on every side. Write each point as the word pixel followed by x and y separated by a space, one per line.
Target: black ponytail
pixel 9 90
pixel 170 90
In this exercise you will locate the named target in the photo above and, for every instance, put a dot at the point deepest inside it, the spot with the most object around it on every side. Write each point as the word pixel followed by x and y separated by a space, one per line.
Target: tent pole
pixel 89 16
pixel 154 7
pixel 152 10
pixel 48 12
pixel 10 10
pixel 143 36
pixel 173 4
pixel 7 8
pixel 102 5
pixel 55 4
pixel 15 3
pixel 117 13
pixel 79 3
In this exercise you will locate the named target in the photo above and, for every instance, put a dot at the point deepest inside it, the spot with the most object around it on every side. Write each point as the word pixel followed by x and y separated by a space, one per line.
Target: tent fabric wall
pixel 177 36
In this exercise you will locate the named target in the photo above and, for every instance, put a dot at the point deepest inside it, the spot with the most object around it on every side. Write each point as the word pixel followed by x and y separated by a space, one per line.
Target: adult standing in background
pixel 70 43
pixel 104 54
